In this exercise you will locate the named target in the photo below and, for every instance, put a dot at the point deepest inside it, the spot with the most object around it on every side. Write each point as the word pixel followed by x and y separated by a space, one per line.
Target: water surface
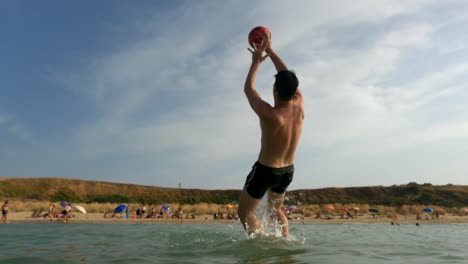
pixel 227 243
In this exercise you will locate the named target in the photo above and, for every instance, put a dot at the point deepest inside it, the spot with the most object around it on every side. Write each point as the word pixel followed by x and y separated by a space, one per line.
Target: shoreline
pixel 97 218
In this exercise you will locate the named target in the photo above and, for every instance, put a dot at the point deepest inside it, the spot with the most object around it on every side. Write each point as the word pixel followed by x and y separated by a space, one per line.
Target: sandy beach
pixel 15 217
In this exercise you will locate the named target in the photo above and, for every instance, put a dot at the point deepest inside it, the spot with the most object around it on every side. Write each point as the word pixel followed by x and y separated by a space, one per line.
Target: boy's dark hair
pixel 286 83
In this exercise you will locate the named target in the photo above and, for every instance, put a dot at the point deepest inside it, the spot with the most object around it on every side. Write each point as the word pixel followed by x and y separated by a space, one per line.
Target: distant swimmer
pixel 5 212
pixel 281 127
pixel 395 220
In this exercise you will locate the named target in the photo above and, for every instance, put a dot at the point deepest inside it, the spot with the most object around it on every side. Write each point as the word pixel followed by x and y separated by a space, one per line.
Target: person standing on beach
pixel 66 213
pixel 51 211
pixel 127 211
pixel 281 127
pixel 5 212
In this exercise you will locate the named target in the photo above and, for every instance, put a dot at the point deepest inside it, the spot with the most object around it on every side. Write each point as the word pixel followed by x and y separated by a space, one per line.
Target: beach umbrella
pixel 80 208
pixel 373 210
pixel 120 208
pixel 328 208
pixel 356 209
pixel 290 208
pixel 344 209
pixel 166 208
pixel 64 204
pixel 229 206
pixel 428 210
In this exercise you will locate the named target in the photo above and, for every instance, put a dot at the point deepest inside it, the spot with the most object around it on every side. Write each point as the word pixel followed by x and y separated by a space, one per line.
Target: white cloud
pixel 408 35
pixel 178 87
pixel 20 131
pixel 15 128
pixel 4 119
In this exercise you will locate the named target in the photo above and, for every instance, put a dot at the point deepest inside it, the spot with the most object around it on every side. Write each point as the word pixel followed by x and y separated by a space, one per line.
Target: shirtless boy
pixel 281 127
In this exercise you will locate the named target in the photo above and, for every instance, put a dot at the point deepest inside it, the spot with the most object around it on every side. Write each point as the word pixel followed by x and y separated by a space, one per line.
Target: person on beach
pixel 138 212
pixel 5 212
pixel 142 212
pixel 127 211
pixel 281 127
pixel 179 214
pixel 51 211
pixel 66 213
pixel 153 213
pixel 161 213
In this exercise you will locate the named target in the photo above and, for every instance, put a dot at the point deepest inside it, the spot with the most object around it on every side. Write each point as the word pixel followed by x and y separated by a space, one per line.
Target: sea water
pixel 53 242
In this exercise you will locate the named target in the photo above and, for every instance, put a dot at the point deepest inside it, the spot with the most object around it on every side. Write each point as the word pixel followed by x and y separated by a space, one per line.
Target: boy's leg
pixel 277 200
pixel 246 212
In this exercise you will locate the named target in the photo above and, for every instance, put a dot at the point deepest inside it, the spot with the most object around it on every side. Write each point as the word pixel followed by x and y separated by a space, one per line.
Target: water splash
pixel 271 227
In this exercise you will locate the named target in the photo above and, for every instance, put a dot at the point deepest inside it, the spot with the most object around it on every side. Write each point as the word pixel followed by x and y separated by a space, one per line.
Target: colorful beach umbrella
pixel 356 209
pixel 229 206
pixel 428 210
pixel 80 208
pixel 120 208
pixel 64 204
pixel 328 208
pixel 166 208
pixel 290 208
pixel 344 209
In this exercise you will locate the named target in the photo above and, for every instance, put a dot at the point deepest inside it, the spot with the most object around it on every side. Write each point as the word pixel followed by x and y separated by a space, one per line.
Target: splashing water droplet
pixel 266 214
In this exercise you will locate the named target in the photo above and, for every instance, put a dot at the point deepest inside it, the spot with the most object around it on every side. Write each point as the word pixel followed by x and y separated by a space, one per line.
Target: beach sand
pixel 15 217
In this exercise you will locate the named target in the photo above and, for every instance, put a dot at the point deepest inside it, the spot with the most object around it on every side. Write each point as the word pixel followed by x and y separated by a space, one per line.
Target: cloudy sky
pixel 151 92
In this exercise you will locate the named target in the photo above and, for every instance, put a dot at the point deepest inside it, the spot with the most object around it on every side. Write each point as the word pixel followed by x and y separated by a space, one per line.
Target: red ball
pixel 255 36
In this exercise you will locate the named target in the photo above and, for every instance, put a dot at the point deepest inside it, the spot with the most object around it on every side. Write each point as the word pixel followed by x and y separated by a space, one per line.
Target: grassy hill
pixel 411 194
pixel 56 189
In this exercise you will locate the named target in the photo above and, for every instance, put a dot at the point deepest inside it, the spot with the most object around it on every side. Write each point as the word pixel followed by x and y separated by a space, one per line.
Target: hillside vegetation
pixel 56 189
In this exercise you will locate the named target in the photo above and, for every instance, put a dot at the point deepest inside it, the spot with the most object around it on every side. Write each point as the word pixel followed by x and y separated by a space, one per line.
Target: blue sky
pixel 151 92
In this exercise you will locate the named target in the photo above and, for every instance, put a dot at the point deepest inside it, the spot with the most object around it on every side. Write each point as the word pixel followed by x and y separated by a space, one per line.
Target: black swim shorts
pixel 263 178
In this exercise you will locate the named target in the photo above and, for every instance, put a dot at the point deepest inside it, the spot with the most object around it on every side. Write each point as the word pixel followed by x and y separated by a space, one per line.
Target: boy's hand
pixel 257 52
pixel 267 40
